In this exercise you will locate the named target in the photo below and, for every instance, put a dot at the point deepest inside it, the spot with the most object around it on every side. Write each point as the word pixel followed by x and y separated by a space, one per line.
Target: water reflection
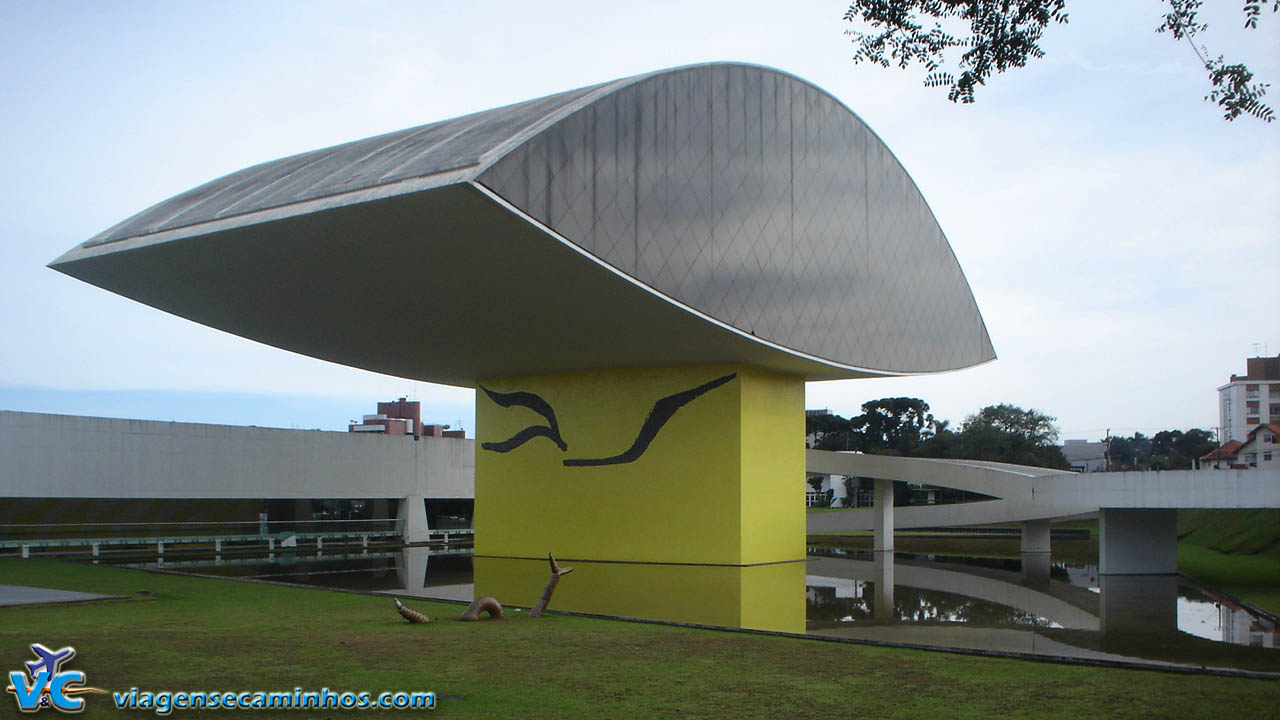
pixel 411 571
pixel 1028 606
pixel 932 593
pixel 1033 606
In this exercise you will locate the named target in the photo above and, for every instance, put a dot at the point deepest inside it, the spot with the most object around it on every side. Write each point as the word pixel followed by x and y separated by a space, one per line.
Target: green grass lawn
pixel 213 634
pixel 1235 551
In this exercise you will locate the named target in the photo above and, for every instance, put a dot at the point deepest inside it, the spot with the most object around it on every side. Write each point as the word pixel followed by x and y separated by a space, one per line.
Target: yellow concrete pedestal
pixel 697 466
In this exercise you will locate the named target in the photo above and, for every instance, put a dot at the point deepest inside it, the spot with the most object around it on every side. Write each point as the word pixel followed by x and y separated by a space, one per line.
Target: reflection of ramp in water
pixel 1132 620
pixel 1003 592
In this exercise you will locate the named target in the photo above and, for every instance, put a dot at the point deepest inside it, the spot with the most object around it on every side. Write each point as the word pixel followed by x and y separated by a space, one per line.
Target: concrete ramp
pixel 1025 493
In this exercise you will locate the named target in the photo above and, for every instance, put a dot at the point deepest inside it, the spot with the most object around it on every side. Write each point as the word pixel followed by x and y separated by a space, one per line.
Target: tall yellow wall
pixel 721 482
pixel 771 452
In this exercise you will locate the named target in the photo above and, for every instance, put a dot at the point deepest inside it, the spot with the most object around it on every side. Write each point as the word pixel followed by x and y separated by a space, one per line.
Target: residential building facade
pixel 1260 449
pixel 1250 400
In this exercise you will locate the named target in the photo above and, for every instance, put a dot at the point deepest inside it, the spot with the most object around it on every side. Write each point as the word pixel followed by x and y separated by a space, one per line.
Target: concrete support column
pixel 882 609
pixel 883 541
pixel 1035 569
pixel 1137 542
pixel 411 570
pixel 1035 536
pixel 413 516
pixel 1138 604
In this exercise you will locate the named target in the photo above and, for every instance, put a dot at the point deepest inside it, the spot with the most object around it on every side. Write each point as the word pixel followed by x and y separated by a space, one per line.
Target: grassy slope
pixel 1235 551
pixel 220 634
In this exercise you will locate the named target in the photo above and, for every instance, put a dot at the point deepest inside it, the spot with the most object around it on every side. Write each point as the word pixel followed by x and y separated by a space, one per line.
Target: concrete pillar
pixel 1035 536
pixel 217 545
pixel 413 518
pixel 883 541
pixel 699 456
pixel 95 549
pixel 1137 542
pixel 1035 569
pixel 1138 604
pixel 411 570
pixel 882 609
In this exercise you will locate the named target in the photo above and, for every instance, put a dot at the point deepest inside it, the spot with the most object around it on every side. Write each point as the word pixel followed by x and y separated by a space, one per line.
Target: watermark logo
pixel 46 684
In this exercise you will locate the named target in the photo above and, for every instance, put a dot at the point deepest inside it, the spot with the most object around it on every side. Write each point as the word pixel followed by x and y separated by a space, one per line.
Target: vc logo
pixel 49 685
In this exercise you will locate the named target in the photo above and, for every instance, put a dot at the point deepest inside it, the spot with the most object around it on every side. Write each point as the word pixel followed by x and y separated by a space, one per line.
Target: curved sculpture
pixel 707 214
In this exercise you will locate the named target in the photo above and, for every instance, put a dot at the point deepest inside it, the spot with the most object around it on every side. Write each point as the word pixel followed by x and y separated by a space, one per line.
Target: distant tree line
pixel 1001 433
pixel 904 426
pixel 1166 450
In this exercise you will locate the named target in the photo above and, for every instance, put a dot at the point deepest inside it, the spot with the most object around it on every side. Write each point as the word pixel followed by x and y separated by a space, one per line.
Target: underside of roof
pixel 714 213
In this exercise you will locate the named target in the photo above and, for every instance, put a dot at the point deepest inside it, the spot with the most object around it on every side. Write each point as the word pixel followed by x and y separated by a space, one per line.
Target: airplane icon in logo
pixel 50 660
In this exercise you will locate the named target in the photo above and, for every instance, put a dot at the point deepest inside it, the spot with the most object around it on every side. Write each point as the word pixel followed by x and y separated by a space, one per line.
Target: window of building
pixel 1251 459
pixel 1251 421
pixel 1266 456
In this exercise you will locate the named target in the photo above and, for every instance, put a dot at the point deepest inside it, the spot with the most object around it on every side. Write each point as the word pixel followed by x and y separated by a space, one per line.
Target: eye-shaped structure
pixel 707 214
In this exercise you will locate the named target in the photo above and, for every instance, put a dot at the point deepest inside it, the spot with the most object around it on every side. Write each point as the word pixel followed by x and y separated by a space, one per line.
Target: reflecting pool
pixel 1005 605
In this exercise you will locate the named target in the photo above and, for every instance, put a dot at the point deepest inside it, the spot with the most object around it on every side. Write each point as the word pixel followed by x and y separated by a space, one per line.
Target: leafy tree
pixel 895 425
pixel 1007 433
pixel 851 486
pixel 829 432
pixel 1005 34
pixel 1166 450
pixel 1195 443
pixel 1122 453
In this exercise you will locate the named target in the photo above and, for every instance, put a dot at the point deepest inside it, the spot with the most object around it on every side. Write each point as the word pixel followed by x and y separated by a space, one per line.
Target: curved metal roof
pixel 751 210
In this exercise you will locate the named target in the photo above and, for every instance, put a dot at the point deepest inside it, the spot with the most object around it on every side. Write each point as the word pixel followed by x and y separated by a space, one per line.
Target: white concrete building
pixel 1249 400
pixel 1085 456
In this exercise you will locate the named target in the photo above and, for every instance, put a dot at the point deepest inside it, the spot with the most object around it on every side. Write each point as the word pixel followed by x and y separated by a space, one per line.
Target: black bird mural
pixel 662 411
pixel 535 403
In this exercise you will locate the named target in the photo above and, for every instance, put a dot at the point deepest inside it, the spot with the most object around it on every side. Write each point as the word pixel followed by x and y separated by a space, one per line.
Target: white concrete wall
pixel 86 457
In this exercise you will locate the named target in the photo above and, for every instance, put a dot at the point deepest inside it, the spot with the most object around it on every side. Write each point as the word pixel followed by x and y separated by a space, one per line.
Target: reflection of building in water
pixel 1085 576
pixel 818 588
pixel 1241 628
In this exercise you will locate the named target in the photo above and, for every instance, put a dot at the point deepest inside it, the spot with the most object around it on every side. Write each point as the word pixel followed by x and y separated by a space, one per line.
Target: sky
pixel 1121 239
